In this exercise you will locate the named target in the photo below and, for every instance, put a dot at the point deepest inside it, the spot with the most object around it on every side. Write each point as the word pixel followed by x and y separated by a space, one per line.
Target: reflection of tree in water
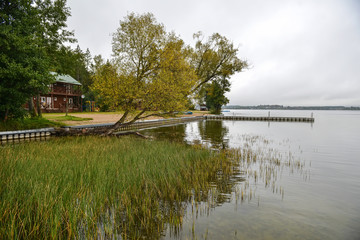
pixel 214 132
pixel 174 133
pixel 257 163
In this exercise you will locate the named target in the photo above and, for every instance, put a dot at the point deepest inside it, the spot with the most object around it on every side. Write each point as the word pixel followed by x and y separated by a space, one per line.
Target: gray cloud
pixel 302 52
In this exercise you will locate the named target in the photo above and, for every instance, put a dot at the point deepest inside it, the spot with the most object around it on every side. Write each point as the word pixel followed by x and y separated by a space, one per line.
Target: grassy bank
pixel 28 123
pixel 67 118
pixel 100 187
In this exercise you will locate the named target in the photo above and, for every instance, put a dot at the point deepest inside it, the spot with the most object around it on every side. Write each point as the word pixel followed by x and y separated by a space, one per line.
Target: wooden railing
pixel 76 92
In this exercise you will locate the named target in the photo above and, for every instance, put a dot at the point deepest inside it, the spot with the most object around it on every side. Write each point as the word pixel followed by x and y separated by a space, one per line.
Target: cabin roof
pixel 64 78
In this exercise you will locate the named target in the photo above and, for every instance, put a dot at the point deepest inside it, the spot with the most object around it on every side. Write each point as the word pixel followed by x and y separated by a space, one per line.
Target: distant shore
pixel 281 107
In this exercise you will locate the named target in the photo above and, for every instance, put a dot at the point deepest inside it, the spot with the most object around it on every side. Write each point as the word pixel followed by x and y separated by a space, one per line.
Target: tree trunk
pixel 107 131
pixel 117 124
pixel 32 110
pixel 6 114
pixel 66 106
pixel 38 106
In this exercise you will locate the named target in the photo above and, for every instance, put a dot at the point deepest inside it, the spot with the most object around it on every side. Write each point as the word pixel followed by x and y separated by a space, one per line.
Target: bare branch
pixel 156 114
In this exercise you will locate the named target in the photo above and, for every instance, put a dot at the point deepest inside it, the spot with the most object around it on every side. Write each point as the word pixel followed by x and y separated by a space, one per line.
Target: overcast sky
pixel 302 52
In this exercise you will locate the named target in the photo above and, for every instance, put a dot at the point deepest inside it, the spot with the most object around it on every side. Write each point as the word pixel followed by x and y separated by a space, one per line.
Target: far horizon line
pixel 276 106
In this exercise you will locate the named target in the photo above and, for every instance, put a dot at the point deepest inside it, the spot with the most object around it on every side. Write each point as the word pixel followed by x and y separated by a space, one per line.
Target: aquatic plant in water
pixel 100 187
pixel 126 188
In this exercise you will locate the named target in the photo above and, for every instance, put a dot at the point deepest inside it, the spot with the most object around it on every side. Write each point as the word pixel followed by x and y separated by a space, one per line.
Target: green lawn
pixel 28 123
pixel 66 118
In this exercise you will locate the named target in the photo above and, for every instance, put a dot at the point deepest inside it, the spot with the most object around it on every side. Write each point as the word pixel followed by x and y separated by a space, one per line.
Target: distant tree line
pixel 281 107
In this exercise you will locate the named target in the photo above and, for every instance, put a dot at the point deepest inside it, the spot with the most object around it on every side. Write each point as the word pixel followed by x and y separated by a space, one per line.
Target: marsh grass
pixel 92 187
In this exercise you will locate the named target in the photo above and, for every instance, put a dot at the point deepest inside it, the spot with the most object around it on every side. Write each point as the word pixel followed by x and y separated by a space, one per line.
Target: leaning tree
pixel 215 60
pixel 150 73
pixel 154 73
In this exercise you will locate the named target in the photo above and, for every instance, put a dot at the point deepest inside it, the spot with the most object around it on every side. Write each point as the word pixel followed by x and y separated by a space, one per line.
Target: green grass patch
pixel 68 118
pixel 93 187
pixel 50 115
pixel 28 123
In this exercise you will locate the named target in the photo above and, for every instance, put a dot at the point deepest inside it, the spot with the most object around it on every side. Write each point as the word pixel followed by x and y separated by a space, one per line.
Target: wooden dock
pixel 259 118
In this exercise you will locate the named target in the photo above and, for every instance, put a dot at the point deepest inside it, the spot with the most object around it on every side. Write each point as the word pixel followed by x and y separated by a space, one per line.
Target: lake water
pixel 316 196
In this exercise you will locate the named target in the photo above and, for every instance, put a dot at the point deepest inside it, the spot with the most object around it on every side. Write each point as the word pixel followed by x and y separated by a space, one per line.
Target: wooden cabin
pixel 65 90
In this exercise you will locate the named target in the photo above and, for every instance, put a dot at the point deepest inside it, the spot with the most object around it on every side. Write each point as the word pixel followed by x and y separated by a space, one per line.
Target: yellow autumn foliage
pixel 151 70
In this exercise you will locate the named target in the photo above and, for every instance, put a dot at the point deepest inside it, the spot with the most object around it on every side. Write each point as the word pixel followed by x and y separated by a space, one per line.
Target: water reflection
pixel 258 167
pixel 215 133
pixel 157 211
pixel 174 133
pixel 212 133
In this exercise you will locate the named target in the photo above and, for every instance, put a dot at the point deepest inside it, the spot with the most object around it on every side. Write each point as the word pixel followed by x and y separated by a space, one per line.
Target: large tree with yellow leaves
pixel 150 73
pixel 153 72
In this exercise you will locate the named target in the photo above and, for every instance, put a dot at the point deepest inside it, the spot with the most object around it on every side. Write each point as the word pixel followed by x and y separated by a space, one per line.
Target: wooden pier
pixel 259 118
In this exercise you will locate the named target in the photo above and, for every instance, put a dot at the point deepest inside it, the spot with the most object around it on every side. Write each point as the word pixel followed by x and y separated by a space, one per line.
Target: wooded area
pixel 152 72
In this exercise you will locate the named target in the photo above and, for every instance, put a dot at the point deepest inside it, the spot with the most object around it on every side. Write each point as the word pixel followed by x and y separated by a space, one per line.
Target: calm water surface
pixel 315 197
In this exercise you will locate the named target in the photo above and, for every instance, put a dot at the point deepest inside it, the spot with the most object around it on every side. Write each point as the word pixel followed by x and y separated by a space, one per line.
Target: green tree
pixel 31 33
pixel 150 74
pixel 215 94
pixel 76 63
pixel 215 60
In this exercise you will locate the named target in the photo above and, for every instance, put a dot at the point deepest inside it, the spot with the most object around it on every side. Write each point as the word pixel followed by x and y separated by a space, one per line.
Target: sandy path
pixel 109 118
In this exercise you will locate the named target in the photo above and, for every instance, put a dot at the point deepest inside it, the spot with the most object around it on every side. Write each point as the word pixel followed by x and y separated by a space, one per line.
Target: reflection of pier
pixel 267 119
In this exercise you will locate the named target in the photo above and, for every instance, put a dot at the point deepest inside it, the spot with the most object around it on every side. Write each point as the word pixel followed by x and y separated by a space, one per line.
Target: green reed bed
pixel 90 187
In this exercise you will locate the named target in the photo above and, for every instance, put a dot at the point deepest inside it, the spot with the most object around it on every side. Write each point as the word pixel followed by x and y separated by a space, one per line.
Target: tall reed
pixel 90 187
